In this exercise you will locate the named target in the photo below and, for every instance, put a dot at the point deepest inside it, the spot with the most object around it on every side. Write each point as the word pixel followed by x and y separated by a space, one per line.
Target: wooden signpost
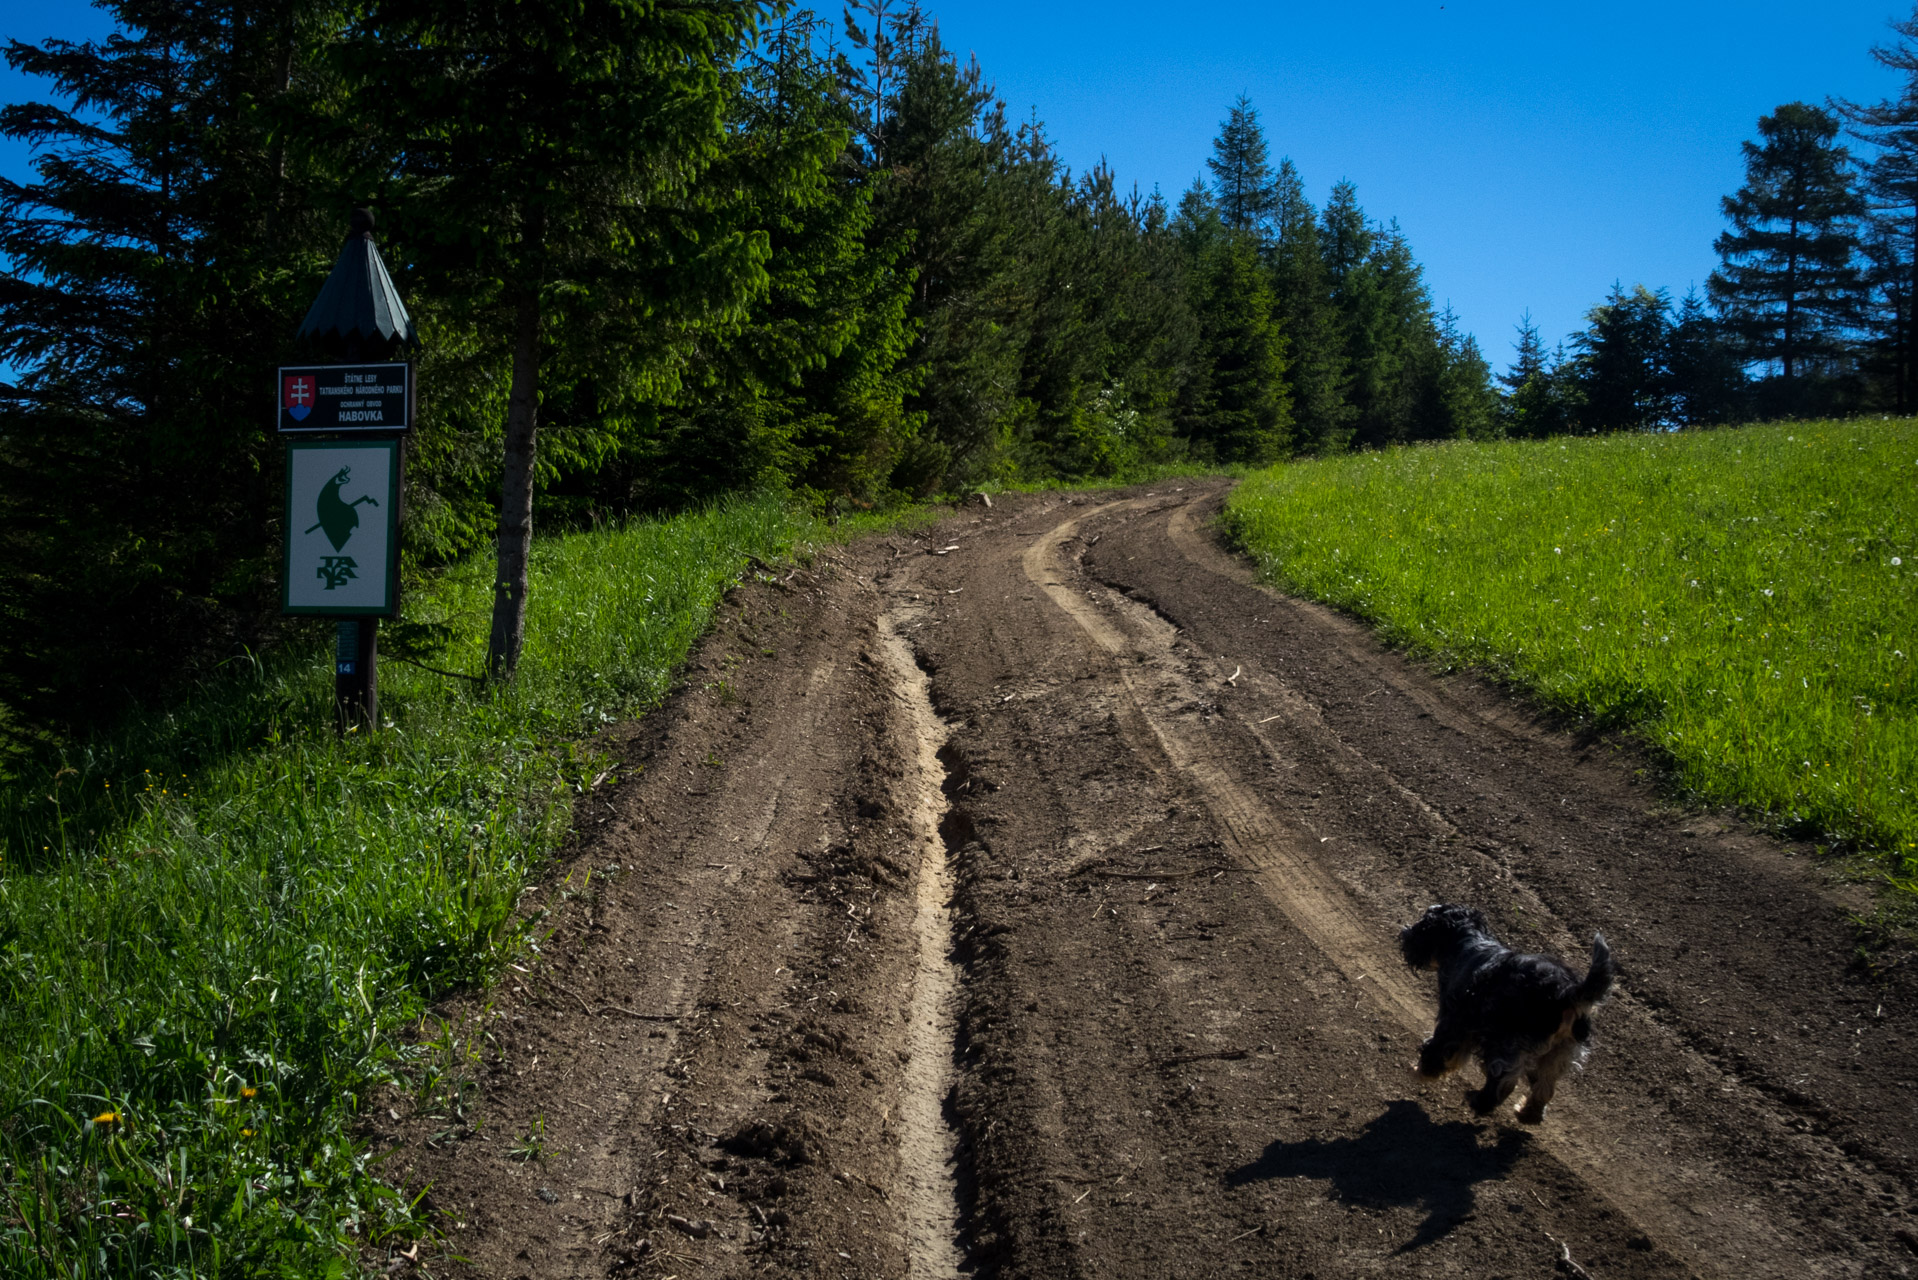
pixel 345 424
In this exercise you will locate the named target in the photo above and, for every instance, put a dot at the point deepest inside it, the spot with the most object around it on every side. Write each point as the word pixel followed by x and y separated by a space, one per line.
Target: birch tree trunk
pixel 516 494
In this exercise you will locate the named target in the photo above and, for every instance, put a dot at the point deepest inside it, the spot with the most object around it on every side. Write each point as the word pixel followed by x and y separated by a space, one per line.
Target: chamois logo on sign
pixel 338 518
pixel 340 527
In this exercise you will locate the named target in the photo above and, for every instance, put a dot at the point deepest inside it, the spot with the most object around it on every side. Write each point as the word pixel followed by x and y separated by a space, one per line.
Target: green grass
pixel 1746 600
pixel 215 925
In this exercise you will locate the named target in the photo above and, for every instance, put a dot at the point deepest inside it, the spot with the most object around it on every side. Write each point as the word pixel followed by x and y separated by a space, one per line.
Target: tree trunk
pixel 516 494
pixel 1908 324
pixel 1791 299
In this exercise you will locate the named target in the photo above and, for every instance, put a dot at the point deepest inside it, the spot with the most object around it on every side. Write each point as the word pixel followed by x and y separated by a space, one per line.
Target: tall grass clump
pixel 1747 600
pixel 214 921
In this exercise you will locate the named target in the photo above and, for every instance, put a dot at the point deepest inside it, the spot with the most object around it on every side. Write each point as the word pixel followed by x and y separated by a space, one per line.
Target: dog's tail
pixel 1597 985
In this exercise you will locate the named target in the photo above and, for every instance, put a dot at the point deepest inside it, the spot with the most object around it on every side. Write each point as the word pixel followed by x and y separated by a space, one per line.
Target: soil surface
pixel 1022 899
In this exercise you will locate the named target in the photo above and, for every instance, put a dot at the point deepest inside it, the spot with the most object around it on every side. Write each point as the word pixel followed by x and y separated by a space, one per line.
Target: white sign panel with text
pixel 342 527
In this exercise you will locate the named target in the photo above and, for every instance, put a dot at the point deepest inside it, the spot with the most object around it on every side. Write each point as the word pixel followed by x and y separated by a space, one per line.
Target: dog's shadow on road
pixel 1400 1160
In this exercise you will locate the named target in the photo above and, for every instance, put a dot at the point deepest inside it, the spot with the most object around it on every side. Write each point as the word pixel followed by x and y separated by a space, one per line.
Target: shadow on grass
pixel 1402 1159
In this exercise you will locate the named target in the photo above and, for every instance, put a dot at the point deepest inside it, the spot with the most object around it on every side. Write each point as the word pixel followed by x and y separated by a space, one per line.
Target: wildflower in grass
pixel 248 1091
pixel 107 1117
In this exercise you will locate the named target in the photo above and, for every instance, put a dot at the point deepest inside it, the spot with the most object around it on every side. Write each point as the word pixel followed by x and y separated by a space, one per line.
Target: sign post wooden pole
pixel 345 421
pixel 356 681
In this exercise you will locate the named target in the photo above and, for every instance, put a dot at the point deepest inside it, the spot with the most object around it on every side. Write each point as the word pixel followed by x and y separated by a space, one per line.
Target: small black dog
pixel 1523 1014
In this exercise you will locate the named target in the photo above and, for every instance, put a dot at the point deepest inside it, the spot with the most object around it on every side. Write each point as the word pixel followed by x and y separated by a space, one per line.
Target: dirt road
pixel 1022 901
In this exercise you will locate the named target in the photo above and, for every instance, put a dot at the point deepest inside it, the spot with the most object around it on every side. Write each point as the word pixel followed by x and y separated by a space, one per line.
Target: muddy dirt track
pixel 1022 901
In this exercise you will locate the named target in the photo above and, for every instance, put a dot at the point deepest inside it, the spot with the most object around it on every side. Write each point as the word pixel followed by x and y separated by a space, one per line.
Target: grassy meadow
pixel 215 924
pixel 1745 600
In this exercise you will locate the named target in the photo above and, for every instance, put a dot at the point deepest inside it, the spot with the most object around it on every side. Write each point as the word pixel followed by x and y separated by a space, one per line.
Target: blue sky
pixel 1533 153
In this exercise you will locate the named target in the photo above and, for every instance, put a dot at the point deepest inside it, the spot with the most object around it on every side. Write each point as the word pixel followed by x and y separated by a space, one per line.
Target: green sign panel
pixel 342 527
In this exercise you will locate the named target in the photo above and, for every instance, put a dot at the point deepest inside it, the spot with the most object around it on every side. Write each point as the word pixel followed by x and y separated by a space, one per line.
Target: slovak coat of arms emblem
pixel 296 396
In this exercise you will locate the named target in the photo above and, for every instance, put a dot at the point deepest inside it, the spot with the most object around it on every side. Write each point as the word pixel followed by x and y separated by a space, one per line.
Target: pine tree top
pixel 1241 170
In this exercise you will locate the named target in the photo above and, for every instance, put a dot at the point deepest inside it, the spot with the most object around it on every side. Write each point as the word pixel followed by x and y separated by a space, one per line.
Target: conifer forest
pixel 724 246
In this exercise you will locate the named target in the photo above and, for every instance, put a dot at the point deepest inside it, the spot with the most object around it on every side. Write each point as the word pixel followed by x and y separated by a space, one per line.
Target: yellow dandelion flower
pixel 248 1091
pixel 246 1133
pixel 107 1117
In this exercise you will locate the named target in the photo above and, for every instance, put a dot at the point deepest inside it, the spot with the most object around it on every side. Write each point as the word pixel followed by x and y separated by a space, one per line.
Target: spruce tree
pixel 1198 218
pixel 1467 406
pixel 1706 380
pixel 1384 323
pixel 1538 398
pixel 1884 344
pixel 1385 314
pixel 1528 359
pixel 1242 183
pixel 1788 285
pixel 1052 328
pixel 1236 409
pixel 544 159
pixel 1621 362
pixel 1345 245
pixel 804 394
pixel 1112 337
pixel 157 263
pixel 880 30
pixel 1414 376
pixel 941 147
pixel 1316 370
pixel 1154 332
pixel 1054 286
pixel 1890 126
pixel 1344 238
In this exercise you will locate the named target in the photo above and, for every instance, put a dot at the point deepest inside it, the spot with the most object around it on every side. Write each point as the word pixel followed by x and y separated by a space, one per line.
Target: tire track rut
pixel 929 1147
pixel 1691 1212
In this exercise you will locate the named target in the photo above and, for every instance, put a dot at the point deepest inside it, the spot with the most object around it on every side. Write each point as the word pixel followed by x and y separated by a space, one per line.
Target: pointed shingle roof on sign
pixel 358 299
